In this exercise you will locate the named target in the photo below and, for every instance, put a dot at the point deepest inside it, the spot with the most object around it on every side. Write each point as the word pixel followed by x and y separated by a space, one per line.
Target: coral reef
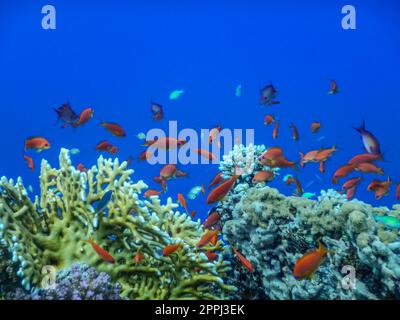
pixel 53 230
pixel 273 231
pixel 78 282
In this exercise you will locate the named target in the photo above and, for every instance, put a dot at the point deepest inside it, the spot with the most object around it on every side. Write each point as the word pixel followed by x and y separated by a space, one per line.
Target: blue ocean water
pixel 118 56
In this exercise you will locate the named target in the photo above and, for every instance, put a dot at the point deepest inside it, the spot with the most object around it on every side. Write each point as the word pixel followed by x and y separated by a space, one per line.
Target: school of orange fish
pixel 274 157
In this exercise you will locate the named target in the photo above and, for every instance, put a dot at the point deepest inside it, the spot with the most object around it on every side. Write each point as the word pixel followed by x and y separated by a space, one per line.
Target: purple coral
pixel 78 282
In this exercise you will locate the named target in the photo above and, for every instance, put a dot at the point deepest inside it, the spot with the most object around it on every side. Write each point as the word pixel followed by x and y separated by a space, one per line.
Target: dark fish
pixel 371 143
pixel 66 115
pixel 103 202
pixel 268 94
pixel 157 111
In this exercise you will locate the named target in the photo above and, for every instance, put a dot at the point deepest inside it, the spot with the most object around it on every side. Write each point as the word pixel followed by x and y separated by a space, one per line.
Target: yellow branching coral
pixel 54 229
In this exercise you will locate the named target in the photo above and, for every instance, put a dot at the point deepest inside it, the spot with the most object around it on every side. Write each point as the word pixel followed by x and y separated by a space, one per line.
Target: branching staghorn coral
pixel 54 229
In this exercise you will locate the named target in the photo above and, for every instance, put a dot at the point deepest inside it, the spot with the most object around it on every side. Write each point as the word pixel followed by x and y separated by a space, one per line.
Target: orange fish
pixel 222 190
pixel 103 146
pixel 365 157
pixel 367 167
pixel 203 190
pixel 164 185
pixel 315 126
pixel 398 191
pixel 282 162
pixel 182 201
pixel 351 192
pixel 171 249
pixel 101 252
pixel 322 166
pixel 216 180
pixel 299 188
pixel 295 132
pixel 37 143
pixel 180 173
pixel 115 129
pixel 272 153
pixel 168 171
pixel 243 260
pixel 214 133
pixel 113 150
pixel 167 143
pixel 192 214
pixel 206 154
pixel 151 192
pixel 308 157
pixel 212 220
pixel 80 167
pixel 262 176
pixel 353 182
pixel 206 238
pixel 139 257
pixel 84 117
pixel 276 128
pixel 342 172
pixel 146 154
pixel 211 255
pixel 29 161
pixel 325 154
pixel 269 118
pixel 214 239
pixel 310 262
pixel 381 188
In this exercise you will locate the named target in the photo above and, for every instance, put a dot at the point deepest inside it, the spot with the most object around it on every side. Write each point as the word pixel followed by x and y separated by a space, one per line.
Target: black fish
pixel 66 115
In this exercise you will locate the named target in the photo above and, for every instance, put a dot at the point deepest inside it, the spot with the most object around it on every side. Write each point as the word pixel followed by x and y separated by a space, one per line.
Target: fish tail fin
pixel 301 159
pixel 361 128
pixel 294 166
pixel 321 247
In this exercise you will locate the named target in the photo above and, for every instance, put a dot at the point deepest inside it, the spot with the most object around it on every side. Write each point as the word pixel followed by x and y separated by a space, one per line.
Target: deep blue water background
pixel 116 56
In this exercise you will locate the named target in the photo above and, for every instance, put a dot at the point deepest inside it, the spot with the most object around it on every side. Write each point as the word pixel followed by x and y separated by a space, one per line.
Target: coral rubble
pixel 53 231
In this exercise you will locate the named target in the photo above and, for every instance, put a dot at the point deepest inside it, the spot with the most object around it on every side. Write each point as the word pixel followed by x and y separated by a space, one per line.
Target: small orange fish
pixel 398 191
pixel 222 190
pixel 80 167
pixel 212 220
pixel 182 201
pixel 367 167
pixel 295 132
pixel 310 262
pixel 180 173
pixel 103 146
pixel 269 118
pixel 325 154
pixel 171 249
pixel 243 260
pixel 315 126
pixel 167 143
pixel 214 133
pixel 276 128
pixel 29 161
pixel 322 166
pixel 265 175
pixel 139 257
pixel 151 192
pixel 203 190
pixel 351 192
pixel 206 154
pixel 207 238
pixel 365 157
pixel 214 239
pixel 168 171
pixel 107 257
pixel 115 129
pixel 113 150
pixel 37 143
pixel 84 117
pixel 145 155
pixel 299 189
pixel 211 255
pixel 351 183
pixel 192 214
pixel 308 157
pixel 342 172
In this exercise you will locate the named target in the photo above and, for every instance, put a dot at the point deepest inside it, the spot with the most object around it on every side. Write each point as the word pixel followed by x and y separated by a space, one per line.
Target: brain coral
pixel 53 229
